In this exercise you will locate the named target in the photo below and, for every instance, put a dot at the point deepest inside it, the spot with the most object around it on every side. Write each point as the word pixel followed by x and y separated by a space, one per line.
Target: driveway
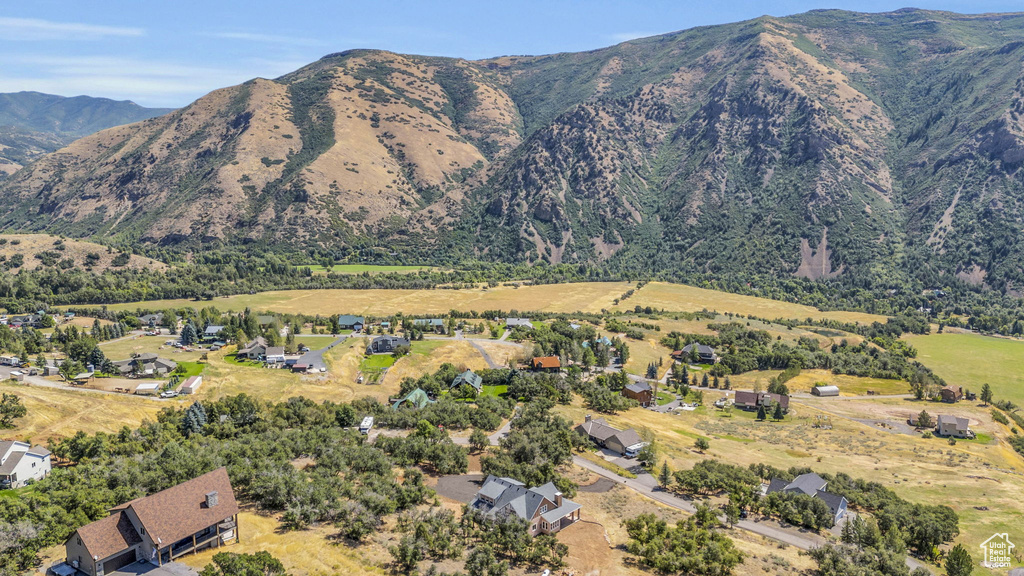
pixel 169 569
pixel 315 358
pixel 461 488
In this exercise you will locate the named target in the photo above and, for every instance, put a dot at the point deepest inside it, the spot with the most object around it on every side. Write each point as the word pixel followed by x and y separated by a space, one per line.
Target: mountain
pixel 33 124
pixel 860 148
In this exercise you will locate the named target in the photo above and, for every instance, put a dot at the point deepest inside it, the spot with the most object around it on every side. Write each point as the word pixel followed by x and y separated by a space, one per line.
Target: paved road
pixel 315 358
pixel 44 383
pixel 646 485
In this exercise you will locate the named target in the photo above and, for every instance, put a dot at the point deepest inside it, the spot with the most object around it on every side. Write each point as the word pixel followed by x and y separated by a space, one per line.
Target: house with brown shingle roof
pixel 195 515
pixel 546 364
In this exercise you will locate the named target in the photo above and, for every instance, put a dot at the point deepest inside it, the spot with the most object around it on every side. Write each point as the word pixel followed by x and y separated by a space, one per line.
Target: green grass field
pixel 191 369
pixel 363 268
pixel 971 360
pixel 377 362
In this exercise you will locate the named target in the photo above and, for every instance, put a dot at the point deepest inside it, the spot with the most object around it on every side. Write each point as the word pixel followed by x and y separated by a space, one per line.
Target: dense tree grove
pixel 351 484
pixel 693 546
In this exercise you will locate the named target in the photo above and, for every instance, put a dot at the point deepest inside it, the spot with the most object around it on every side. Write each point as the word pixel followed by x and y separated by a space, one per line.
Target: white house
pixel 21 462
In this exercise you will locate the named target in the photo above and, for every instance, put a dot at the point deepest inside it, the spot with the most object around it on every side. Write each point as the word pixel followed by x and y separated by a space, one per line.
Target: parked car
pixel 169 394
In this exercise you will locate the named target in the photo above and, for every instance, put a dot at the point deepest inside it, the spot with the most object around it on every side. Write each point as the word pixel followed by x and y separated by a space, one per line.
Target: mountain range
pixel 837 146
pixel 33 124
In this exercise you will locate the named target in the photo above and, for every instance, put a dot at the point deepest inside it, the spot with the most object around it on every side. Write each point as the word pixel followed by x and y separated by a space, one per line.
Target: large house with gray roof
pixel 626 442
pixel 21 462
pixel 543 506
pixel 811 485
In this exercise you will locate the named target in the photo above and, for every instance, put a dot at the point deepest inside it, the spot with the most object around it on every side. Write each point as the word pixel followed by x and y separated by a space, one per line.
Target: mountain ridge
pixel 829 145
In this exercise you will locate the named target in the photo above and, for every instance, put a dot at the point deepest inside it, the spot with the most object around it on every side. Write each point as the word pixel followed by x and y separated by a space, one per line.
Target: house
pixel 417 399
pixel 349 322
pixel 953 426
pixel 641 392
pixel 625 442
pixel 212 331
pixel 191 385
pixel 468 377
pixel 543 507
pixel 811 485
pixel 151 320
pixel 199 514
pixel 265 321
pixel 386 344
pixel 753 400
pixel 146 364
pixel 951 393
pixel 705 354
pixel 822 390
pixel 253 350
pixel 511 323
pixel 274 355
pixel 546 364
pixel 435 324
pixel 25 321
pixel 21 462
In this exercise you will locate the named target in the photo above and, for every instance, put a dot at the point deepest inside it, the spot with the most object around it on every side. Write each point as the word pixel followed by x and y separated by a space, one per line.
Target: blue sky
pixel 168 53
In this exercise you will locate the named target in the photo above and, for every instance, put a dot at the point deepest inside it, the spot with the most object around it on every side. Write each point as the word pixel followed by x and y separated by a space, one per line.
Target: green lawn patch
pixel 665 398
pixel 500 390
pixel 971 360
pixel 235 360
pixel 377 362
pixel 191 369
pixel 425 347
pixel 692 435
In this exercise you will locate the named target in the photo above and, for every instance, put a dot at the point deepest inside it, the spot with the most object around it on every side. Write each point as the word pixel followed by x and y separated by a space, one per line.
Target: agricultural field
pixel 971 360
pixel 683 298
pixel 573 297
pixel 55 413
pixel 866 441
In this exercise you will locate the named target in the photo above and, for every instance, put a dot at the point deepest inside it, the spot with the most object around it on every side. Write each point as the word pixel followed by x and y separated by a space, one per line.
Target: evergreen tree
pixel 665 475
pixel 959 562
pixel 986 393
pixel 761 414
pixel 189 334
pixel 779 414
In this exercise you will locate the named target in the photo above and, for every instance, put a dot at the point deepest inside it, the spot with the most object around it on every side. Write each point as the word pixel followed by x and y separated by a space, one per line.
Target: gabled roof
pixel 468 377
pixel 275 351
pixel 213 329
pixel 597 429
pixel 834 501
pixel 628 438
pixel 109 535
pixel 702 349
pixel 17 456
pixel 809 484
pixel 181 511
pixel 522 501
pixel 417 398
pixel 350 320
pixel 639 387
pixel 960 423
pixel 259 341
pixel 428 322
pixel 547 362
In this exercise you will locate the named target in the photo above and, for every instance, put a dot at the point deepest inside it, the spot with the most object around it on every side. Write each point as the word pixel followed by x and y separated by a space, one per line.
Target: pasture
pixel 971 360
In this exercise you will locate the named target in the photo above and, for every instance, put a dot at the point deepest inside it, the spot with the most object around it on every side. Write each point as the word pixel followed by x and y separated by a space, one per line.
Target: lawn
pixel 970 360
pixel 500 390
pixel 377 362
pixel 191 369
pixel 665 398
pixel 848 385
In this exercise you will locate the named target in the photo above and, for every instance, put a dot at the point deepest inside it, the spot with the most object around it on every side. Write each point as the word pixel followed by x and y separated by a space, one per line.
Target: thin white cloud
pixel 627 36
pixel 33 29
pixel 147 82
pixel 267 38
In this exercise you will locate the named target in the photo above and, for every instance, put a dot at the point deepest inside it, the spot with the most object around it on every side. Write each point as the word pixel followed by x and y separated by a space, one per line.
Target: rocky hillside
pixel 828 145
pixel 33 124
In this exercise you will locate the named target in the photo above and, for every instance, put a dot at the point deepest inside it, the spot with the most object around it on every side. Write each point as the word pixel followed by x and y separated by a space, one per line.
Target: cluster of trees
pixel 493 544
pixel 693 546
pixel 11 409
pixel 350 484
pixel 537 444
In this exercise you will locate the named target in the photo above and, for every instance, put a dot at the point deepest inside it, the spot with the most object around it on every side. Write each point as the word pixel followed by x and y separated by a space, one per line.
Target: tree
pixel 732 513
pixel 761 414
pixel 986 393
pixel 400 351
pixel 924 420
pixel 194 419
pixel 231 564
pixel 702 444
pixel 478 440
pixel 959 562
pixel 188 334
pixel 665 476
pixel 778 414
pixel 11 409
pixel 483 562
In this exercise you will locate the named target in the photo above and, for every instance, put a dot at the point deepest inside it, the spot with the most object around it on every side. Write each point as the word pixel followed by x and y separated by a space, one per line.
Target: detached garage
pixel 825 391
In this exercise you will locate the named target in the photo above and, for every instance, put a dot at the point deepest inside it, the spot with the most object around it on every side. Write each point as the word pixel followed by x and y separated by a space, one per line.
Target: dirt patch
pixel 602 485
pixel 461 488
pixel 589 550
pixel 816 264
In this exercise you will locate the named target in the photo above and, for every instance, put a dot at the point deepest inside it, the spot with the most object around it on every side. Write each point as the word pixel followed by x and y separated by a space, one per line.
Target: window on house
pixel 543 508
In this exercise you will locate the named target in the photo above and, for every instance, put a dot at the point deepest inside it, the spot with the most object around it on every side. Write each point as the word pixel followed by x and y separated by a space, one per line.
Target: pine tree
pixel 761 414
pixel 779 414
pixel 959 562
pixel 189 334
pixel 986 394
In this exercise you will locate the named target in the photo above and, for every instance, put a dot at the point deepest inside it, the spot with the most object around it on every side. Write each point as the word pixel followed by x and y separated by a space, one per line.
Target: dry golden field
pixel 28 245
pixel 55 413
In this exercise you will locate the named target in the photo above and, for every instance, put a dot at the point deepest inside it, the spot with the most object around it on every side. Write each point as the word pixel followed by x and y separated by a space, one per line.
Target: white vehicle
pixel 169 394
pixel 366 425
